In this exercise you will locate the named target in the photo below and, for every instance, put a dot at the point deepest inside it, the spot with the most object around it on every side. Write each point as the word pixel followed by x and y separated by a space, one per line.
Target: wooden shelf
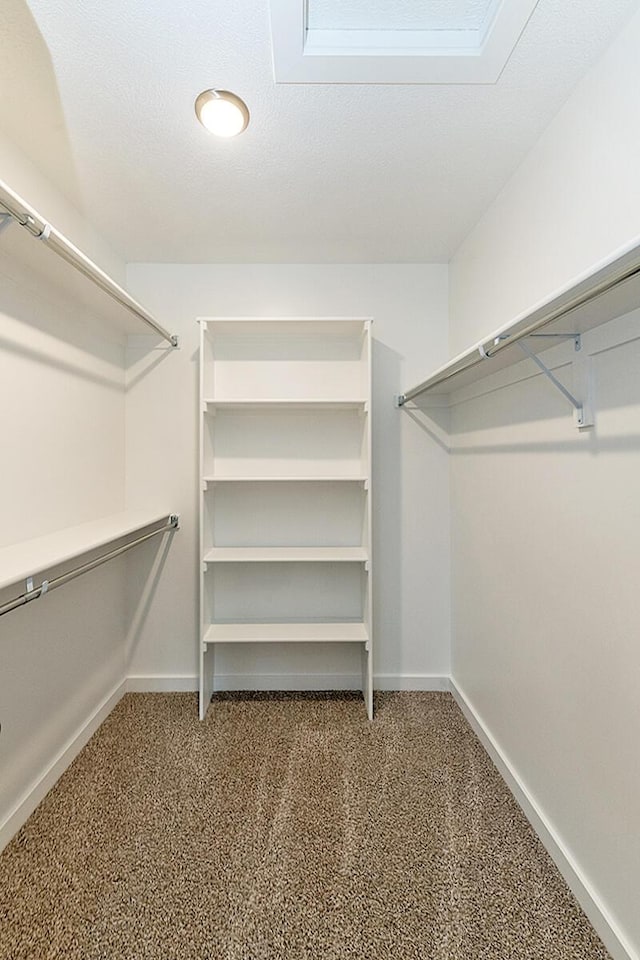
pixel 22 560
pixel 286 633
pixel 609 290
pixel 286 555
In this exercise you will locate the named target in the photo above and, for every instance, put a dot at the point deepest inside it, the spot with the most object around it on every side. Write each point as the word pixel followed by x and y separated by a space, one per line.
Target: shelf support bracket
pixel 582 414
pixel 399 400
pixel 6 220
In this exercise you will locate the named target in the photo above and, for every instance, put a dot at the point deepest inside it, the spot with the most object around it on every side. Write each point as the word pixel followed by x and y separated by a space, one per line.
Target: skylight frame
pixel 304 55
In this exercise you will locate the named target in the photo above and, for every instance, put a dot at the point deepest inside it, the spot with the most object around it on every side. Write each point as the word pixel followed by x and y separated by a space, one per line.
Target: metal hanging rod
pixel 34 593
pixel 481 353
pixel 25 215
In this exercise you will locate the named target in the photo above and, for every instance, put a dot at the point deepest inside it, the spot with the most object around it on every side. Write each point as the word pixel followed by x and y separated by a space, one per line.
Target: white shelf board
pixel 469 366
pixel 285 479
pixel 321 327
pixel 286 555
pixel 293 404
pixel 286 633
pixel 22 560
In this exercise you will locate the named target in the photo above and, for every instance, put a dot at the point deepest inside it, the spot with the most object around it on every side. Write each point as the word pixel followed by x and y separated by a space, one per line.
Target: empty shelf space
pixel 286 555
pixel 287 633
pixel 300 362
pixel 282 440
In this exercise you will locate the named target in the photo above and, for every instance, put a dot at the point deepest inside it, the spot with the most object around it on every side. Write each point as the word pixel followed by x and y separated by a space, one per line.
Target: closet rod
pixel 39 228
pixel 499 342
pixel 34 593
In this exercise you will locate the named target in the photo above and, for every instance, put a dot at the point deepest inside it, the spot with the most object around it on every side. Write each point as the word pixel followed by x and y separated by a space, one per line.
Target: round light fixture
pixel 222 113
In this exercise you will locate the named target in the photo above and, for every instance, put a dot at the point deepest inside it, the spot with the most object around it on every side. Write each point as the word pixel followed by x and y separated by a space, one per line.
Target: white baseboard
pixel 600 918
pixel 41 786
pixel 430 682
pixel 164 683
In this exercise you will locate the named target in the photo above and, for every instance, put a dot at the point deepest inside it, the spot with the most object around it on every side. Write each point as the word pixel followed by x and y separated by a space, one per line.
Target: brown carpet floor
pixel 285 827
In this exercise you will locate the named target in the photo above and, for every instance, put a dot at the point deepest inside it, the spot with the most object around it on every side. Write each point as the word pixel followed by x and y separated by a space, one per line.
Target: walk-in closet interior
pixel 320 413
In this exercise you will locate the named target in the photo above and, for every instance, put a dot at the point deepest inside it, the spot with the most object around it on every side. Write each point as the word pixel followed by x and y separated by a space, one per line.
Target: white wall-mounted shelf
pixel 285 403
pixel 286 555
pixel 311 632
pixel 37 239
pixel 609 290
pixel 22 560
pixel 285 479
pixel 293 404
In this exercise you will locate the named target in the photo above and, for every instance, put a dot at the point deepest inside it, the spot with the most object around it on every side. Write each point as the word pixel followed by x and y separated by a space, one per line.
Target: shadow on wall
pixel 30 105
pixel 145 566
pixel 387 504
pixel 500 420
pixel 433 419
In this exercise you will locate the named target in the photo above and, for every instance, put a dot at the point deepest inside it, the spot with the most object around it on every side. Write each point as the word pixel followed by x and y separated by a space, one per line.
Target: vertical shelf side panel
pixel 205 652
pixel 367 653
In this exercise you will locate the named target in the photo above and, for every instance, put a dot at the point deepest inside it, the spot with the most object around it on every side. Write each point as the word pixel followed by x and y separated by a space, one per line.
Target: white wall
pixel 545 520
pixel 62 463
pixel 572 202
pixel 409 306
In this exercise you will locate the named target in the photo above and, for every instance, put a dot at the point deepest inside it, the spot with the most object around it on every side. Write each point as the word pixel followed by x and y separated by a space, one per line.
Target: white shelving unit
pixel 285 491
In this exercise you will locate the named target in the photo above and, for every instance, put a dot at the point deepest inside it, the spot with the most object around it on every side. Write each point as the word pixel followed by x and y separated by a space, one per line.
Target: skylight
pixel 395 41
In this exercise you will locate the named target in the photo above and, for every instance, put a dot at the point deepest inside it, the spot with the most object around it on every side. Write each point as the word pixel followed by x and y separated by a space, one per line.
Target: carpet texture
pixel 285 827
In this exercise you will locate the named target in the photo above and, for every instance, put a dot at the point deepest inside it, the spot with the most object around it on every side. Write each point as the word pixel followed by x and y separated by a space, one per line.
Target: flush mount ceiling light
pixel 222 113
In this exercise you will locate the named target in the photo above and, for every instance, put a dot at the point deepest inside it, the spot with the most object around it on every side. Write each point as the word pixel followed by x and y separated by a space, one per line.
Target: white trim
pixel 162 683
pixel 430 682
pixel 588 898
pixel 41 786
pixel 188 683
pixel 288 681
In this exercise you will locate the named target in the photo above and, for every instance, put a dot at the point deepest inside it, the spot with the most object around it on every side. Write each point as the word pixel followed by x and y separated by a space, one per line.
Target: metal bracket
pixel 175 341
pixel 31 592
pixel 5 221
pixel 174 520
pixel 583 415
pixel 577 339
pixel 399 400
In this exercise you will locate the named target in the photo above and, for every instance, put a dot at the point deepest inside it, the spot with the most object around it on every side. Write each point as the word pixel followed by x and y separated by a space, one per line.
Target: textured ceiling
pixel 101 96
pixel 397 14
